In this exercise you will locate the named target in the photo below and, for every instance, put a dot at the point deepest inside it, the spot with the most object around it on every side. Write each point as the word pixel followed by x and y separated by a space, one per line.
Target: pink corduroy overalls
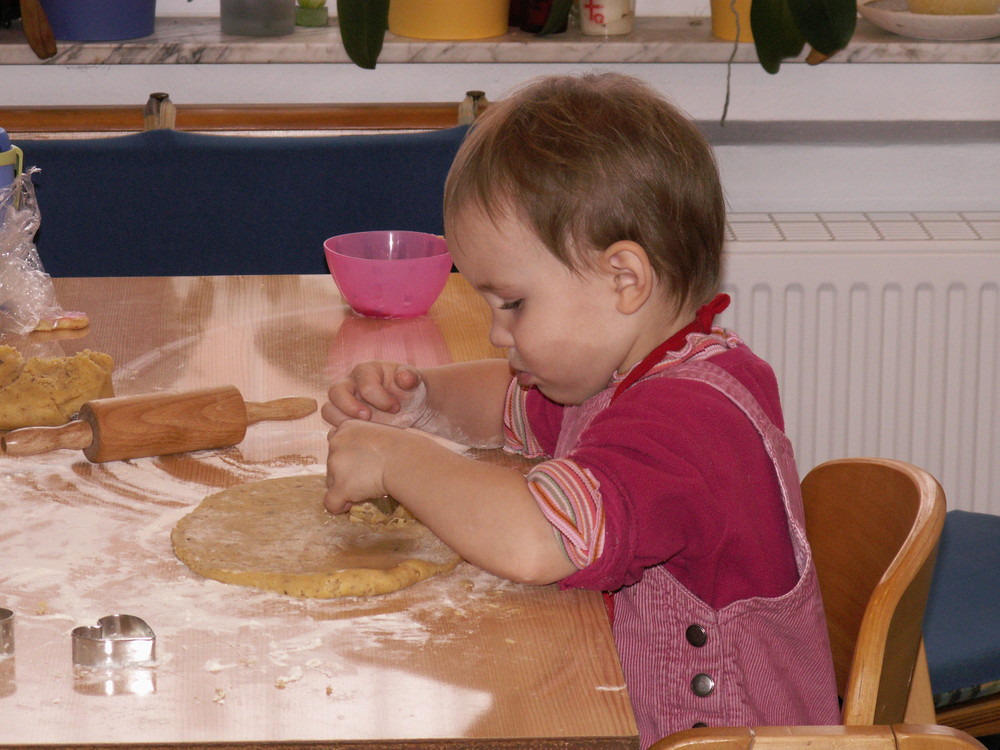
pixel 759 661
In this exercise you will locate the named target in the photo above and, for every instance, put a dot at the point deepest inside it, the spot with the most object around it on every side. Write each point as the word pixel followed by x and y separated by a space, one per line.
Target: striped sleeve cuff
pixel 570 499
pixel 517 434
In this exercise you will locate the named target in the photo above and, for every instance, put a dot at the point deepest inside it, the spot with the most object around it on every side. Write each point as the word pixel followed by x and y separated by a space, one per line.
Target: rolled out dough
pixel 276 535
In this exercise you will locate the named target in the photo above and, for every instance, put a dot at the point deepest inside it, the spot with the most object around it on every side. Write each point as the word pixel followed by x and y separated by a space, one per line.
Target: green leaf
pixel 362 29
pixel 827 25
pixel 558 14
pixel 775 34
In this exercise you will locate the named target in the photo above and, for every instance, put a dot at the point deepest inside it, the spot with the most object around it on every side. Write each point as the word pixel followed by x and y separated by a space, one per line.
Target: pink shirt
pixel 676 463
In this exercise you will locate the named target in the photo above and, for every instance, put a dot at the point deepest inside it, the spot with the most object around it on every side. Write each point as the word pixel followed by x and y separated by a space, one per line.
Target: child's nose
pixel 500 336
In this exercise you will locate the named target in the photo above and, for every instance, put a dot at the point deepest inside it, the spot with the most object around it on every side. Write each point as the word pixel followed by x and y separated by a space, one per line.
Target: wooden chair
pixel 874 526
pixel 978 716
pixel 885 737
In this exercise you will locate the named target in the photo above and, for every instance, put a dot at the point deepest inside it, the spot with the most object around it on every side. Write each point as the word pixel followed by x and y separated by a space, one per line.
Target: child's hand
pixel 384 392
pixel 356 462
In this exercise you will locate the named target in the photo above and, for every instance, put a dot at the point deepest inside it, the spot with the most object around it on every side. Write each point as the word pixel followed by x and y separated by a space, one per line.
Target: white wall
pixel 869 92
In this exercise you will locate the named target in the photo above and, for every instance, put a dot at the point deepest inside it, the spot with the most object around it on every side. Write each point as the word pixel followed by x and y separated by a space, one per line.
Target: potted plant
pixel 363 24
pixel 782 28
pixel 311 13
pixel 100 20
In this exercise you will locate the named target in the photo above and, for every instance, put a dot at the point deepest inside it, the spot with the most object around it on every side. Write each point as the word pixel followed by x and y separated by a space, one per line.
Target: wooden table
pixel 463 660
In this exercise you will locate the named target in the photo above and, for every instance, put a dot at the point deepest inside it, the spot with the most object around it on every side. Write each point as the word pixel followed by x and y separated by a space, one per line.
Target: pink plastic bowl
pixel 391 274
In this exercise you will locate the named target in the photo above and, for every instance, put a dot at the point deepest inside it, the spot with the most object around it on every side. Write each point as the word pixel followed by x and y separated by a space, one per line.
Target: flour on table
pixel 95 539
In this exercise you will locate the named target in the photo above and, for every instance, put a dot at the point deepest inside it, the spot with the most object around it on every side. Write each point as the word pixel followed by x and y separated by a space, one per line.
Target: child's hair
pixel 593 159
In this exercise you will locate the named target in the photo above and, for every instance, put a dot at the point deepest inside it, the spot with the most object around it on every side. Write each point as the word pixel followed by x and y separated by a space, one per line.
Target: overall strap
pixel 702 323
pixel 777 444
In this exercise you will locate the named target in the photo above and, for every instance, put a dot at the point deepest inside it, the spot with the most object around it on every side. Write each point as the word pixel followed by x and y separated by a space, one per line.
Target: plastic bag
pixel 27 297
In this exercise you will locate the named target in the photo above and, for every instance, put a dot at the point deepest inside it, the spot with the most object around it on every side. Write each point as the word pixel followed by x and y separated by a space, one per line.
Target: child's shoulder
pixel 743 363
pixel 752 371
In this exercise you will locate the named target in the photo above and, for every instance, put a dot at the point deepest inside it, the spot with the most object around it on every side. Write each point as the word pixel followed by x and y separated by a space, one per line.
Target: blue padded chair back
pixel 168 203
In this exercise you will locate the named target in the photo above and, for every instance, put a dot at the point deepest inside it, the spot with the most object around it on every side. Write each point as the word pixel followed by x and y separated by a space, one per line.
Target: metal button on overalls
pixel 696 635
pixel 702 685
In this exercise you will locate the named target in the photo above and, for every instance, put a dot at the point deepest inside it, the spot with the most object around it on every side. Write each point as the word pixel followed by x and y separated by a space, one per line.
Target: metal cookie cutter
pixel 6 632
pixel 116 641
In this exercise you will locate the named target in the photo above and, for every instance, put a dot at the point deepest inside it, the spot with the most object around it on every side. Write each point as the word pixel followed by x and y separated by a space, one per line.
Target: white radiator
pixel 884 332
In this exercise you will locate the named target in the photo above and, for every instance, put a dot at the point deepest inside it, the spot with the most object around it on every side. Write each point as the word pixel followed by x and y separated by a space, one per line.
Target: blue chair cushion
pixel 962 621
pixel 166 202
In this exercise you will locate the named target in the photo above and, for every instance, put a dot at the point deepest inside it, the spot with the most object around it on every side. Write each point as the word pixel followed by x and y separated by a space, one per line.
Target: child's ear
pixel 629 269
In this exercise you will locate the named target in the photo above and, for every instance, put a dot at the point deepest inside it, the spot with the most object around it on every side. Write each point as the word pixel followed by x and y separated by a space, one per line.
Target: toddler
pixel 588 214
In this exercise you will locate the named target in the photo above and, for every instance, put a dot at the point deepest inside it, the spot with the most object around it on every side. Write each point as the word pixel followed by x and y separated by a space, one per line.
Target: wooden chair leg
pixel 920 704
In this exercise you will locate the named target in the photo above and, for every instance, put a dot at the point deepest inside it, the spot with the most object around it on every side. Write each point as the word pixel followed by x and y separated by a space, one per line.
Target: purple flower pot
pixel 100 20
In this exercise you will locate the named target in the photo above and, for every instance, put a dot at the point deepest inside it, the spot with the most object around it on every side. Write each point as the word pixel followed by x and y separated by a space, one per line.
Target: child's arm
pixel 482 511
pixel 463 402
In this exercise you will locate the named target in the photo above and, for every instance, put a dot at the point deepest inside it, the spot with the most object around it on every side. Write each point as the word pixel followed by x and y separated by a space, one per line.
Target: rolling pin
pixel 114 429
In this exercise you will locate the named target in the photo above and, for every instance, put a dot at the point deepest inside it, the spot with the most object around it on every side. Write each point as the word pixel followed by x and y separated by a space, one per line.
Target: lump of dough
pixel 368 513
pixel 48 391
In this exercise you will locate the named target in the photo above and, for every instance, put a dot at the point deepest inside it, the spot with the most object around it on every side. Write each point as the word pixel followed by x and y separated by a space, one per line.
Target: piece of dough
pixel 369 514
pixel 276 535
pixel 68 321
pixel 48 391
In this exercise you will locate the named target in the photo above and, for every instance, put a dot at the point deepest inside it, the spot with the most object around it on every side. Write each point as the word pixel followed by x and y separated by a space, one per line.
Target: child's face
pixel 560 328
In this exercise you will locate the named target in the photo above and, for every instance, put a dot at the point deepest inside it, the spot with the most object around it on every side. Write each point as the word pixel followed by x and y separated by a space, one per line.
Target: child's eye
pixel 512 305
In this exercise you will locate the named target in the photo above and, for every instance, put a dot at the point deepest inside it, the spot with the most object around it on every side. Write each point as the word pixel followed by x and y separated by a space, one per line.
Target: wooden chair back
pixel 895 737
pixel 874 525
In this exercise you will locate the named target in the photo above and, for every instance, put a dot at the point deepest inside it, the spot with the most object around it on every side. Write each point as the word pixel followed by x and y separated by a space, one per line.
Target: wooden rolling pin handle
pixel 30 441
pixel 293 407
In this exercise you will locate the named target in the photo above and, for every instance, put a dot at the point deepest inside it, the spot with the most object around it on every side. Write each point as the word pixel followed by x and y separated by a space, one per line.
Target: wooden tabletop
pixel 464 660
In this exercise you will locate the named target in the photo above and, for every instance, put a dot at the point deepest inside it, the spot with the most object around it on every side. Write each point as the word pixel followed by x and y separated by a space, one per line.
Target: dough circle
pixel 276 535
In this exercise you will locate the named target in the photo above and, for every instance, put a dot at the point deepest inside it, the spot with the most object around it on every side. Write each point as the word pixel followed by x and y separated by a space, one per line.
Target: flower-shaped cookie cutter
pixel 116 641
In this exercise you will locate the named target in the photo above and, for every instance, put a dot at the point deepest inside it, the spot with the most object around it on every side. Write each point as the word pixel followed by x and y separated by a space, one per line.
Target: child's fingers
pixel 407 378
pixel 335 503
pixel 334 499
pixel 378 398
pixel 373 388
pixel 343 405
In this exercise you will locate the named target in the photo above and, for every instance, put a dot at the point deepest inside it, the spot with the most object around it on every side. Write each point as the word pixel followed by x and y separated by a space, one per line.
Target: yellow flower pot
pixel 448 19
pixel 724 19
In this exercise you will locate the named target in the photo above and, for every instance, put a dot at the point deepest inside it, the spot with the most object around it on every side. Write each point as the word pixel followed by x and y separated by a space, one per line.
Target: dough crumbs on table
pixel 214 665
pixel 294 676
